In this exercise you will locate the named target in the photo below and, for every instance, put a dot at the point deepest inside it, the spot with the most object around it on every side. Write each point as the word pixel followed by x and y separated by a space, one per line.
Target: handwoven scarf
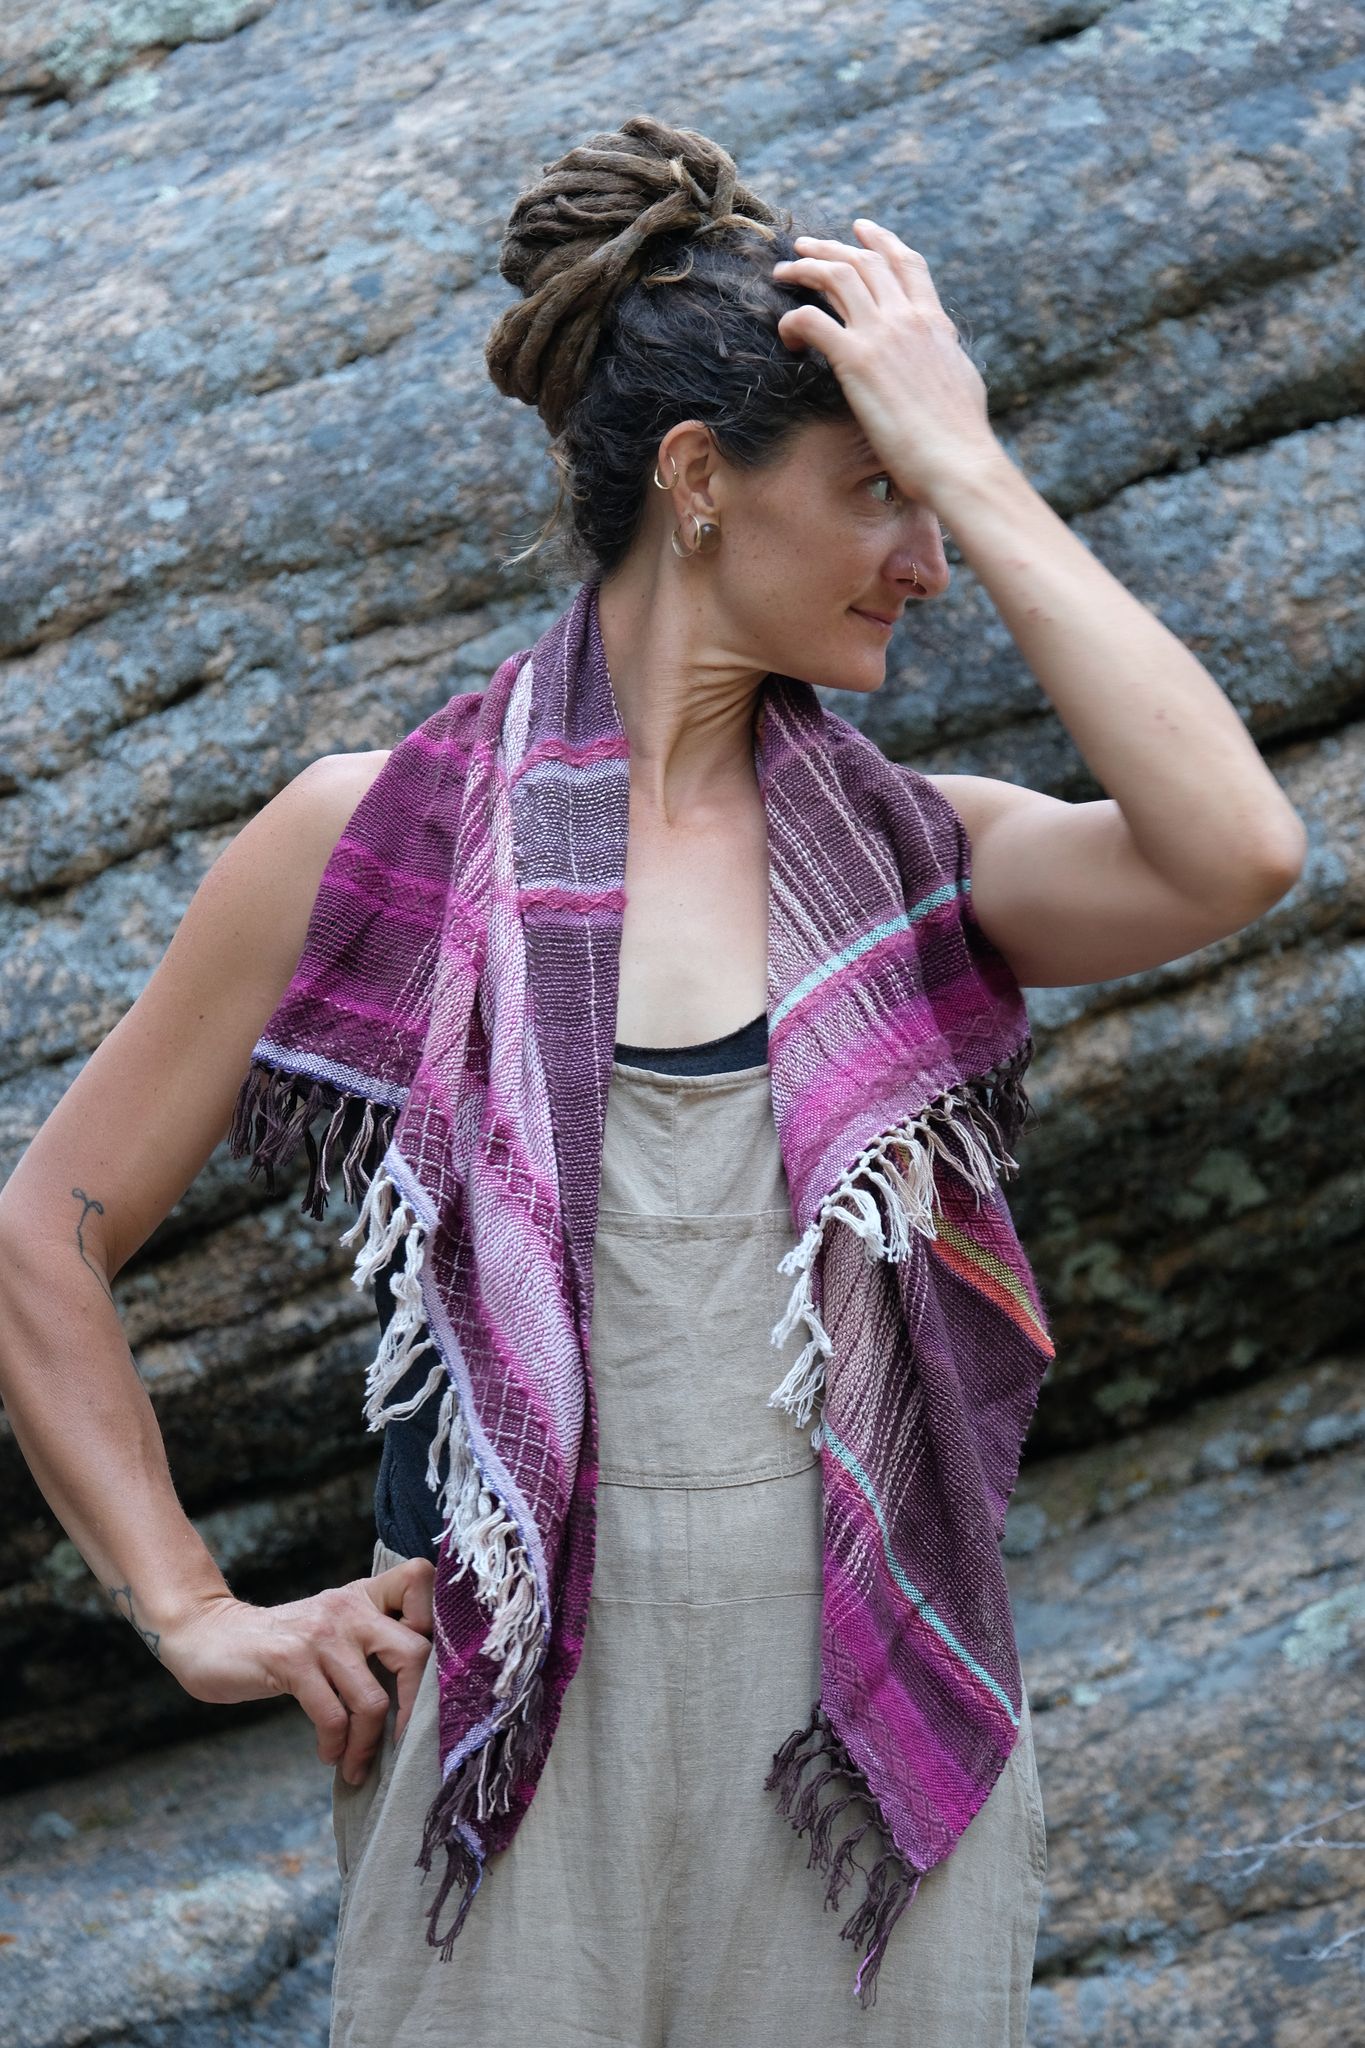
pixel 450 1026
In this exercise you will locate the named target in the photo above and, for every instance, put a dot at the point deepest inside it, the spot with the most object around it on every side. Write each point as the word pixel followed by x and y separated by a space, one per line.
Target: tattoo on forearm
pixel 98 1207
pixel 122 1597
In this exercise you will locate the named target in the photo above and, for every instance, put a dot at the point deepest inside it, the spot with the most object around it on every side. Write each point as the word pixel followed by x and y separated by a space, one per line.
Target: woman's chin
pixel 862 676
pixel 842 669
pixel 865 686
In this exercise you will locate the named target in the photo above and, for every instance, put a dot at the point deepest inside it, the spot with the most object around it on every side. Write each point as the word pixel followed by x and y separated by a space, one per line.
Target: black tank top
pixel 405 1513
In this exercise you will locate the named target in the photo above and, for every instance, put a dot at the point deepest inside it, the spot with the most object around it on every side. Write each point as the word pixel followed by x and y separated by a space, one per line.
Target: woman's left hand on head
pixel 916 392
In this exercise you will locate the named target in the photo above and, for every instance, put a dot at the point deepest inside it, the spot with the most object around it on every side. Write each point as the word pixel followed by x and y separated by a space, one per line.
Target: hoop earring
pixel 707 540
pixel 659 480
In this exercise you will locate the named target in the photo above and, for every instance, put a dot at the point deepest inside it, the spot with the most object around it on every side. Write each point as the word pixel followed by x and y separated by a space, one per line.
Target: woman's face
pixel 811 545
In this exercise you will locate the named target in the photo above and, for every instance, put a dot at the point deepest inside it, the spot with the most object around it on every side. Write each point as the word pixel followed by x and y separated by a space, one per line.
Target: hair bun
pixel 579 237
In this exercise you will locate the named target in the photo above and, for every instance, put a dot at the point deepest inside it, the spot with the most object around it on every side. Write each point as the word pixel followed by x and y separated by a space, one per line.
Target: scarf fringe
pixel 891 1882
pixel 484 1539
pixel 1000 1098
pixel 482 1534
pixel 970 1126
pixel 479 1786
pixel 274 1114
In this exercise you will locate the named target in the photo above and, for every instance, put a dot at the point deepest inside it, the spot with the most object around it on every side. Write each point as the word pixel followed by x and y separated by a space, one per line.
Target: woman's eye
pixel 878 480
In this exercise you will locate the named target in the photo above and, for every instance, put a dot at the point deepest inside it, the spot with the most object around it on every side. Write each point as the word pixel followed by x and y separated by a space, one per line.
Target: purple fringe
pixel 487 1777
pixel 274 1115
pixel 999 1101
pixel 891 1882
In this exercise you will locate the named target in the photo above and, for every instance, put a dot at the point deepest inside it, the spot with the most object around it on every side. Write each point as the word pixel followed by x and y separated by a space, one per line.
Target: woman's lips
pixel 873 618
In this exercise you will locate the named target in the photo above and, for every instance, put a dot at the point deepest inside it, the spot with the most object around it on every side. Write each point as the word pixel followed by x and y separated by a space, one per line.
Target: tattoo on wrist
pixel 122 1597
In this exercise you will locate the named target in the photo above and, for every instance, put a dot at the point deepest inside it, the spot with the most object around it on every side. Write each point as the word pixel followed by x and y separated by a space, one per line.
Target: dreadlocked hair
pixel 645 269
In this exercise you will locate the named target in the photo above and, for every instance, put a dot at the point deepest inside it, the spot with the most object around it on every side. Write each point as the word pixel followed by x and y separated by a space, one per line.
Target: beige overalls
pixel 654 1897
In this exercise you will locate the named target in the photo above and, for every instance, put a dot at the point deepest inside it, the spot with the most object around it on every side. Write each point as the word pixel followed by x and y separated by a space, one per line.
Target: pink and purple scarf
pixel 450 1030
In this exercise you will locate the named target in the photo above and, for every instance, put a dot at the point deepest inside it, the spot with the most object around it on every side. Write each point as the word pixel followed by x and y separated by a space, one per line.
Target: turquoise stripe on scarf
pixel 912 1593
pixel 836 961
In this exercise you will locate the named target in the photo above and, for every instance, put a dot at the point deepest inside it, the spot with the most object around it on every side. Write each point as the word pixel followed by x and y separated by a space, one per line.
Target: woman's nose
pixel 922 566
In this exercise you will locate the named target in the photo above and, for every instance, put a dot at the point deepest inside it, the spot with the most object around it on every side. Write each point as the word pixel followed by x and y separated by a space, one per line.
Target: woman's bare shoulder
pixel 141 1117
pixel 325 794
pixel 280 854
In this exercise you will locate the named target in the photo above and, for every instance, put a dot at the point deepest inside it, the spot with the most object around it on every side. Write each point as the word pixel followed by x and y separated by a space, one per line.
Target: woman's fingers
pixel 857 280
pixel 330 1718
pixel 870 266
pixel 404 1653
pixel 327 1666
pixel 366 1698
pixel 907 263
pixel 366 1704
pixel 884 264
pixel 406 1590
pixel 841 280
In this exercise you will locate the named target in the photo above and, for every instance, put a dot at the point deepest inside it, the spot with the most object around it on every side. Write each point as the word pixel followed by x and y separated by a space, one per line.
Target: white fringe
pixel 483 1535
pixel 907 1189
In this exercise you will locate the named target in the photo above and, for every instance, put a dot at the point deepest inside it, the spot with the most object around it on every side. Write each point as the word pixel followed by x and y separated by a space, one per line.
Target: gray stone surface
pixel 1191 1613
pixel 182 1899
pixel 259 495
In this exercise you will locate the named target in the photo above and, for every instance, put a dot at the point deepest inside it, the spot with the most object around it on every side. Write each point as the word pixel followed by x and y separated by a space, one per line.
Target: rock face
pixel 259 496
pixel 1191 1614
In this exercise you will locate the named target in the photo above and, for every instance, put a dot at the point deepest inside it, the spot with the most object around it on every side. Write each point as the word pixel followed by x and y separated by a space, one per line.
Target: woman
pixel 759 436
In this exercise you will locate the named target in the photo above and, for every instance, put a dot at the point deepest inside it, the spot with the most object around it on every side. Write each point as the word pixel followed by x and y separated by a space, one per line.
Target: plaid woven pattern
pixel 446 1042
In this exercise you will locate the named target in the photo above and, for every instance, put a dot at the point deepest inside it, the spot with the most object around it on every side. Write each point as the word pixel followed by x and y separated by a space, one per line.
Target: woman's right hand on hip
pixel 226 1650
